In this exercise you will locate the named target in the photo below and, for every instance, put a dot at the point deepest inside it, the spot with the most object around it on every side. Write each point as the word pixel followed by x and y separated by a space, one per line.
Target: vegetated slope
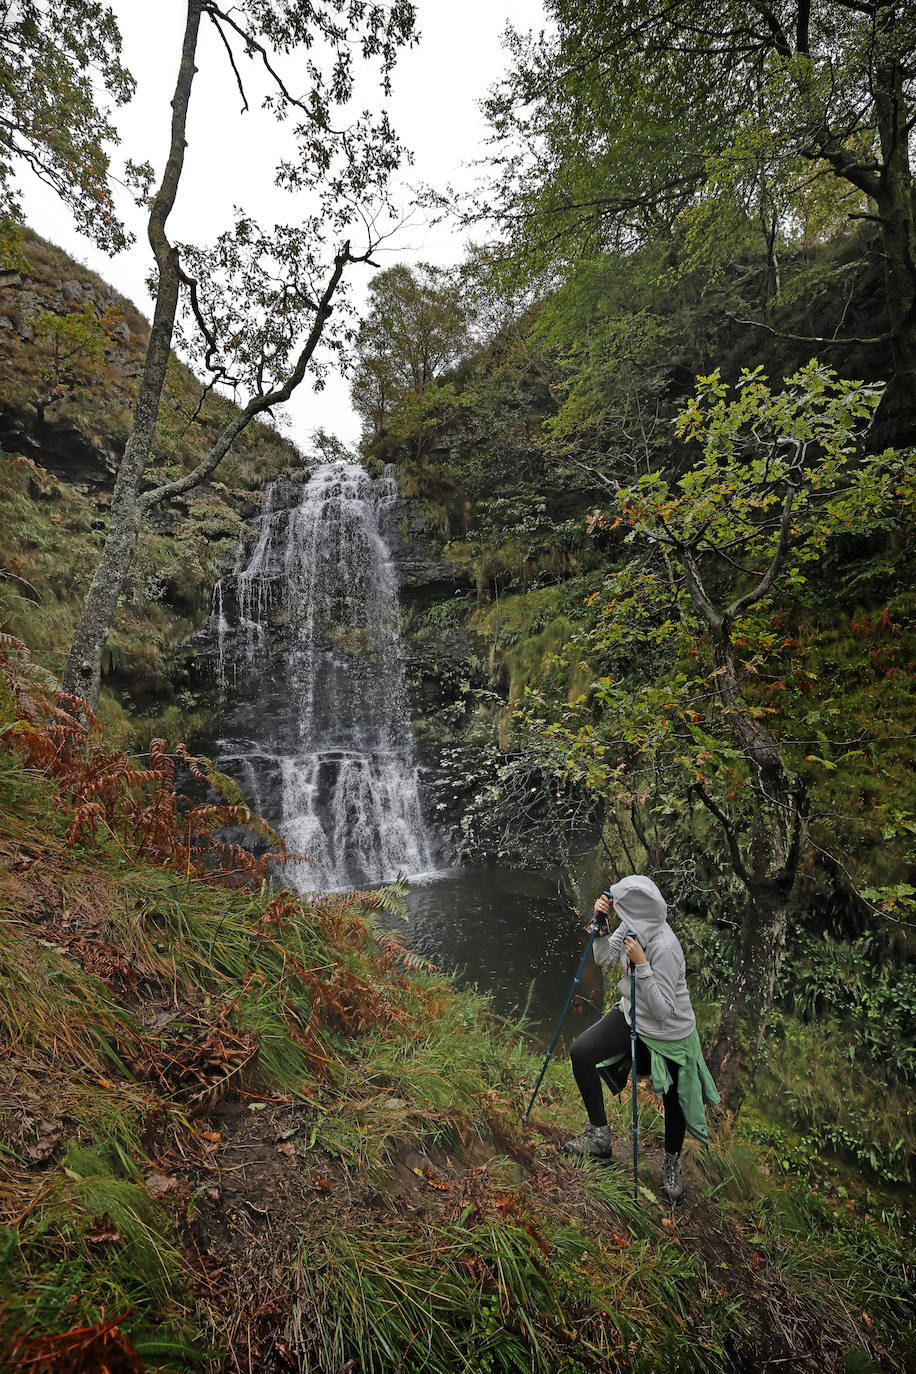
pixel 71 350
pixel 242 1132
pixel 507 460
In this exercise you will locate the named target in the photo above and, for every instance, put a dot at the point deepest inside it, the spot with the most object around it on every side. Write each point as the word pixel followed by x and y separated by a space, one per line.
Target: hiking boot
pixel 673 1177
pixel 594 1141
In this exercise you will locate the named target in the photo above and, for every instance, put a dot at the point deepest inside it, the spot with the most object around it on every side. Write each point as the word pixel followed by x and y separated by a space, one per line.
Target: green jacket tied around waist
pixel 695 1088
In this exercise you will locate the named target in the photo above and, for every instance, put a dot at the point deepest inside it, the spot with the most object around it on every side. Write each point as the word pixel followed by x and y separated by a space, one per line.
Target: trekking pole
pixel 572 992
pixel 633 1063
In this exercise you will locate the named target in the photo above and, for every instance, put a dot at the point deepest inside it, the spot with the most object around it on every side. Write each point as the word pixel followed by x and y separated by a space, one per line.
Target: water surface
pixel 508 933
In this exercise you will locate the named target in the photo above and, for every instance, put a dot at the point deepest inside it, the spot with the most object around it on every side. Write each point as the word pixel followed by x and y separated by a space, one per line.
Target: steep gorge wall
pixel 70 352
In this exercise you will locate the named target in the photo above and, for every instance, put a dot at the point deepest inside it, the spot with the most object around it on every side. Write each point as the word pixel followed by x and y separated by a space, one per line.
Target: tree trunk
pixel 895 421
pixel 83 673
pixel 777 829
pixel 733 1058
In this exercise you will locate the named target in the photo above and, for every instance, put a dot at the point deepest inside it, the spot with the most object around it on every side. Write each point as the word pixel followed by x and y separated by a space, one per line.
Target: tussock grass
pixel 492 1295
pixel 517 1261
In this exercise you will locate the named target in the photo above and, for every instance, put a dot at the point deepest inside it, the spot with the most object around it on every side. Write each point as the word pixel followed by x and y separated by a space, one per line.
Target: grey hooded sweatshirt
pixel 663 1009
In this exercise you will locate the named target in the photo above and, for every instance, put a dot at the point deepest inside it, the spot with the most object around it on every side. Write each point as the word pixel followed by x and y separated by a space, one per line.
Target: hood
pixel 638 903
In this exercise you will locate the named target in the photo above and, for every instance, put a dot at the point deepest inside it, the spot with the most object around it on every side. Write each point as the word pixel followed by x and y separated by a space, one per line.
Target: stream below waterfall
pixel 305 634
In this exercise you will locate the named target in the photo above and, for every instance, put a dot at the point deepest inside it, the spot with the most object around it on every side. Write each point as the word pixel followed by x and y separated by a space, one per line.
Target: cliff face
pixel 70 352
pixel 444 667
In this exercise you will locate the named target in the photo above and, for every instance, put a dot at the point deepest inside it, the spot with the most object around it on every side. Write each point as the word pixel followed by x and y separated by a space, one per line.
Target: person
pixel 667 1045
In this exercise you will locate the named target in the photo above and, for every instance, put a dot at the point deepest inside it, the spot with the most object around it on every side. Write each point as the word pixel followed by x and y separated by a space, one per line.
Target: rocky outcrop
pixel 63 448
pixel 423 577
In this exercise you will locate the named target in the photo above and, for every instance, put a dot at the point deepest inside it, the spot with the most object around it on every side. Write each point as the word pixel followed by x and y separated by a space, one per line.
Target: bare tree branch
pixel 728 827
pixel 259 403
pixel 815 338
pixel 214 16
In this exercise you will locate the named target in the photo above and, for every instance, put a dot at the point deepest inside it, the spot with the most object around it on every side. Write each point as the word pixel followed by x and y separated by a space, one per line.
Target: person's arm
pixel 607 948
pixel 656 984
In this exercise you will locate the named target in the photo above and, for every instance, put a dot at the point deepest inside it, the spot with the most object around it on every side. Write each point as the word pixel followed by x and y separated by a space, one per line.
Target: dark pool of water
pixel 508 933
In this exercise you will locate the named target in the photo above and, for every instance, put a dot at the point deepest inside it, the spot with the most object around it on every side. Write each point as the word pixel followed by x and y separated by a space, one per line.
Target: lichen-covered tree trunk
pixel 84 666
pixel 895 421
pixel 767 868
pixel 733 1057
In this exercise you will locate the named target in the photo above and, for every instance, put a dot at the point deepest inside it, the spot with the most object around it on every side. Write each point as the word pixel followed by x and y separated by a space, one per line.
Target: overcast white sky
pixel 433 107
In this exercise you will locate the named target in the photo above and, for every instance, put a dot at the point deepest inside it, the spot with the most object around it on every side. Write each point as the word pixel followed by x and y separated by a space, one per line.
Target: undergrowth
pixel 167 1014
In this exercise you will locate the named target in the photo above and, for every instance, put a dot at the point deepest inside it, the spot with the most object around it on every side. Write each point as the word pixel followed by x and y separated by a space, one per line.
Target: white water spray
pixel 319 736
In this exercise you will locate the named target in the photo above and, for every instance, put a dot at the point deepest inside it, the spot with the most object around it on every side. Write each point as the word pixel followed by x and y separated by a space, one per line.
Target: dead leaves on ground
pixel 100 1349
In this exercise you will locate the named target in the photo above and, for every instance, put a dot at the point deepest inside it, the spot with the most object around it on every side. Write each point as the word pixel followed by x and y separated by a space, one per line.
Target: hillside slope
pixel 70 354
pixel 244 1133
pixel 505 463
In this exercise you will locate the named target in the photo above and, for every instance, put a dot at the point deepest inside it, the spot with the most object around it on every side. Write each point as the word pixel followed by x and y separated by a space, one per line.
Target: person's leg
pixel 608 1038
pixel 675 1130
pixel 675 1121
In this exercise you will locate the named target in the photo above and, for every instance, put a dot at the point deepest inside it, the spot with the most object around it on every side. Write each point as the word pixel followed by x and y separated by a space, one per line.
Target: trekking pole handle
pixel 631 935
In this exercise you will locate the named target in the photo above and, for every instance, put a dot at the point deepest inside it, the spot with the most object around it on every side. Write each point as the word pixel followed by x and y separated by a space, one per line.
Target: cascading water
pixel 319 736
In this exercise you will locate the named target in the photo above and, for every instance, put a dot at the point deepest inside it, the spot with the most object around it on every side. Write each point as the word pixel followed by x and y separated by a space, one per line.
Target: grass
pixel 504 1292
pixel 355 1129
pixel 51 530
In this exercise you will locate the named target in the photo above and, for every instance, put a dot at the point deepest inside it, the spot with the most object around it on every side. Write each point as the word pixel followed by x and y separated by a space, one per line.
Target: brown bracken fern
pixel 140 807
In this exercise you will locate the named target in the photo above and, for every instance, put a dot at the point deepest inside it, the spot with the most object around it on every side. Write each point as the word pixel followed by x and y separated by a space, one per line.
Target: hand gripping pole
pixel 553 1043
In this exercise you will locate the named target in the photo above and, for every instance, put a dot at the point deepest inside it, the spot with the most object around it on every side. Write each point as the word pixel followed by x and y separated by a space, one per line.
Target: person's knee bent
pixel 581 1056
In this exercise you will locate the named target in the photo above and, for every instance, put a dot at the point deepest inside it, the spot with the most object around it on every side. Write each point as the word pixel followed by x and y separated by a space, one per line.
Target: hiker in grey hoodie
pixel 667 1044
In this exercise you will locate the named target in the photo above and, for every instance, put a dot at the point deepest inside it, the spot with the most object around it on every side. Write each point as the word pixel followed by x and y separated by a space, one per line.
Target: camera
pixel 600 922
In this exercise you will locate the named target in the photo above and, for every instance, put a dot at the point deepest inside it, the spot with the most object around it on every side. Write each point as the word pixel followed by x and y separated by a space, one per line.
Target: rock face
pixel 442 663
pixel 63 449
pixel 71 415
pixel 423 578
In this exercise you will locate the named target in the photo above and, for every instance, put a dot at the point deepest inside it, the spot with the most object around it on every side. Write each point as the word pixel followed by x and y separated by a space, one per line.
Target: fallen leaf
pixel 48 1134
pixel 103 1232
pixel 160 1184
pixel 213 1136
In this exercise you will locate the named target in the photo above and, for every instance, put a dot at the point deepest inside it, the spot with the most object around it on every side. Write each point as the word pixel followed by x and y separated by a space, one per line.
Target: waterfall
pixel 318 734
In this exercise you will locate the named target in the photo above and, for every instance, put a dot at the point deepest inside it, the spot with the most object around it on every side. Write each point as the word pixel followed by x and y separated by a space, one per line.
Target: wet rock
pixel 63 449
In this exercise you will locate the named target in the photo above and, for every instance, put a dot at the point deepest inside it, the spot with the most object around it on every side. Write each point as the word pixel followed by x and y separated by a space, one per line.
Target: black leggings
pixel 607 1039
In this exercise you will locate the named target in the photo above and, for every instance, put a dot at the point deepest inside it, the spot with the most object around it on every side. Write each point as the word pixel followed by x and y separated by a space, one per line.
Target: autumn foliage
pixel 141 808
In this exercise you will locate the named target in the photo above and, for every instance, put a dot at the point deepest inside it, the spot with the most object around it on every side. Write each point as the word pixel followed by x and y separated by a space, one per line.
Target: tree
pixel 777 475
pixel 53 57
pixel 416 328
pixel 637 114
pixel 252 308
pixel 75 344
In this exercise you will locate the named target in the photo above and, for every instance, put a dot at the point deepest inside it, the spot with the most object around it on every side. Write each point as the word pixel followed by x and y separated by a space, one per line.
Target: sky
pixel 433 107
